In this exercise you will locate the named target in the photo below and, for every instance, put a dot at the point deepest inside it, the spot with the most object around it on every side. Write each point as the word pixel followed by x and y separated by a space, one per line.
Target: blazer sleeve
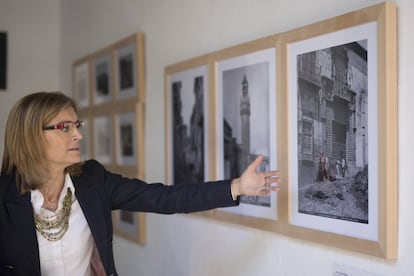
pixel 137 195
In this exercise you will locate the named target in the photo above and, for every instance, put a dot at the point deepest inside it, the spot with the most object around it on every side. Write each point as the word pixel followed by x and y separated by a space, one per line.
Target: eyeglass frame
pixel 63 126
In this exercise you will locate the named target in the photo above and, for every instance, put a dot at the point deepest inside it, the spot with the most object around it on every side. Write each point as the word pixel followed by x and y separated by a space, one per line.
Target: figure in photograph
pixel 323 172
pixel 343 167
pixel 50 198
pixel 326 169
pixel 332 127
pixel 338 169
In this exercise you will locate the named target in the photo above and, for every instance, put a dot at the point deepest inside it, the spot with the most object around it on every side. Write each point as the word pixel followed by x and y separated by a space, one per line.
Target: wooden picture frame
pixel 339 89
pixel 126 141
pixel 130 67
pixel 129 225
pixel 183 70
pixel 129 119
pixel 114 112
pixel 187 122
pixel 246 118
pixel 335 102
pixel 102 77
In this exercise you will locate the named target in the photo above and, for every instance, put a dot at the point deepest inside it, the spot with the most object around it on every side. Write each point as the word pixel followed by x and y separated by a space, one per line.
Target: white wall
pixel 181 29
pixel 187 245
pixel 33 29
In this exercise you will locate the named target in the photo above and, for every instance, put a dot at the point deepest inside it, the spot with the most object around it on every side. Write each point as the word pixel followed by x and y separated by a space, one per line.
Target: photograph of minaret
pixel 246 121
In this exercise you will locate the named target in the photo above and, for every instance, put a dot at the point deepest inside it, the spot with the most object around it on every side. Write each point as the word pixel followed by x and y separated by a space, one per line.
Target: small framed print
pixel 126 137
pixel 102 79
pixel 103 140
pixel 127 71
pixel 109 86
pixel 81 84
pixel 336 132
pixel 129 68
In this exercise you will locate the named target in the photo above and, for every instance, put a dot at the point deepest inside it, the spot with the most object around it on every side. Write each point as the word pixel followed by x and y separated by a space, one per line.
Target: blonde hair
pixel 24 138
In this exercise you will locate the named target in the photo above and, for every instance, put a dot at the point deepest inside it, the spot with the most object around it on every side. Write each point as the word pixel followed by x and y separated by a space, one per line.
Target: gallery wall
pixel 33 31
pixel 180 30
pixel 175 31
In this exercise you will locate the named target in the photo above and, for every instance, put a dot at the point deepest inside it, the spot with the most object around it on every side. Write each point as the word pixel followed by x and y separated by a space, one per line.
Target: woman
pixel 55 211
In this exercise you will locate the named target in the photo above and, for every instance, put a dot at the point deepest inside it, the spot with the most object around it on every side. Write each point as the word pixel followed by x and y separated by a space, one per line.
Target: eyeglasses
pixel 66 126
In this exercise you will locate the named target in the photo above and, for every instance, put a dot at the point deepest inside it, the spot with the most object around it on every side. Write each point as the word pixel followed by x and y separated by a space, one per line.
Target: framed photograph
pixel 102 78
pixel 126 137
pixel 81 84
pixel 127 77
pixel 103 139
pixel 187 123
pixel 114 117
pixel 129 67
pixel 342 131
pixel 130 225
pixel 246 122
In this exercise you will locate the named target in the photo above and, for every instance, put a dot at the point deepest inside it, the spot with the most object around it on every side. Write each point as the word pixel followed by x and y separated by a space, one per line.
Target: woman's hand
pixel 255 183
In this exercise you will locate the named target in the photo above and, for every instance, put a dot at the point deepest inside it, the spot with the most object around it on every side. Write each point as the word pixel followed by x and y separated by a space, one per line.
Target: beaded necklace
pixel 54 227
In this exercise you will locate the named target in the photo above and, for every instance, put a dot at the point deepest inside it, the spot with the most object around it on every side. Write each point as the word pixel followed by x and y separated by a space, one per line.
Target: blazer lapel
pixel 22 221
pixel 88 195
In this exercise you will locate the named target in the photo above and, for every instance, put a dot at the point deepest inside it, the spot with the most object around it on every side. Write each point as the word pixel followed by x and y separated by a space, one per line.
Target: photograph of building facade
pixel 333 131
pixel 188 140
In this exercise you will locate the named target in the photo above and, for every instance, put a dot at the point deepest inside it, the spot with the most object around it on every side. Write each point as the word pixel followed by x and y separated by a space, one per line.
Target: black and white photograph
pixel 102 79
pixel 333 80
pixel 103 141
pixel 81 84
pixel 115 126
pixel 188 126
pixel 126 138
pixel 247 121
pixel 127 76
pixel 333 132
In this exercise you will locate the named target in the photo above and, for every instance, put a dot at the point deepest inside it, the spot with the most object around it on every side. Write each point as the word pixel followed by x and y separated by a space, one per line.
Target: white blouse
pixel 71 254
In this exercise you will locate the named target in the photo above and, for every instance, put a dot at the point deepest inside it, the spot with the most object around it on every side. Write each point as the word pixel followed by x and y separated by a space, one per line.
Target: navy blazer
pixel 98 192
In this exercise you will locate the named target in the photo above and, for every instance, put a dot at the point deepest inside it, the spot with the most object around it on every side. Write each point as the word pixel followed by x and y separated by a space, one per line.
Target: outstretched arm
pixel 252 182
